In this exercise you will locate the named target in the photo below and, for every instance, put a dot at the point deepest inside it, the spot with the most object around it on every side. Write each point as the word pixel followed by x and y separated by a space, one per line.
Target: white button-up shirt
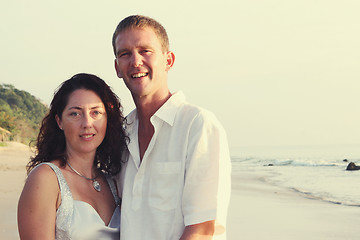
pixel 183 178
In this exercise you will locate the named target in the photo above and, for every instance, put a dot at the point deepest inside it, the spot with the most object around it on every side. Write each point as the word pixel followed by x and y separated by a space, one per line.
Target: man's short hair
pixel 139 21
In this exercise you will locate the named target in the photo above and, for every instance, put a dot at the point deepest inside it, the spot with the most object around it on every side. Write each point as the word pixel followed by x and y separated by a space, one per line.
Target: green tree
pixel 20 113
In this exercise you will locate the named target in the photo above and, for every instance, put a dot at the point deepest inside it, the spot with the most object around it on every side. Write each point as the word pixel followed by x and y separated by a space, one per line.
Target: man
pixel 176 182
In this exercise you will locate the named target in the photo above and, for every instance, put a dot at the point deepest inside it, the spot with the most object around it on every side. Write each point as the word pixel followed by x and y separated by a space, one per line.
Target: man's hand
pixel 201 231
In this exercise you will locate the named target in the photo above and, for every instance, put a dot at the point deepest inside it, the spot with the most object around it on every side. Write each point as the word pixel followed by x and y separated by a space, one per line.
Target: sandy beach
pixel 258 210
pixel 13 159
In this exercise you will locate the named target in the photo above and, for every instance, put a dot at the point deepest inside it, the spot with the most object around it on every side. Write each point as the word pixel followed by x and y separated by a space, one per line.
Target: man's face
pixel 141 62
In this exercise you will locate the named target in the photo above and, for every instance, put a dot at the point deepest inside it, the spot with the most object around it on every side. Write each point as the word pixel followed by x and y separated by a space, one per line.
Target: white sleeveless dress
pixel 79 220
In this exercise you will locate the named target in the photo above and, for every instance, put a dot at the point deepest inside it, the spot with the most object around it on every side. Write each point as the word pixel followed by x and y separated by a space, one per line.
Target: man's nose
pixel 136 59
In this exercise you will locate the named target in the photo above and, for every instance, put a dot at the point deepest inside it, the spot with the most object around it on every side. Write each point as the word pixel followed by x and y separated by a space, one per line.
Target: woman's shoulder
pixel 44 174
pixel 39 199
pixel 40 189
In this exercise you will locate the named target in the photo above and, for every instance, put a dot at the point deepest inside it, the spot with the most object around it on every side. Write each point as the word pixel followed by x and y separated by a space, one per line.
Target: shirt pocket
pixel 164 185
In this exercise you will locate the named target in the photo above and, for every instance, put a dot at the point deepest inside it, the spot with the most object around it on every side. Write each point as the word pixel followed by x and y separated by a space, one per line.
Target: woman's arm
pixel 37 205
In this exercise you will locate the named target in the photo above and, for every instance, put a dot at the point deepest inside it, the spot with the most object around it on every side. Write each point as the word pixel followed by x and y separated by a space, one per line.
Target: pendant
pixel 96 185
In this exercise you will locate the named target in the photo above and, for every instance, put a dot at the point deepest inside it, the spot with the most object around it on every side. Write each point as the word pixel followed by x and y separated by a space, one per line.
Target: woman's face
pixel 84 122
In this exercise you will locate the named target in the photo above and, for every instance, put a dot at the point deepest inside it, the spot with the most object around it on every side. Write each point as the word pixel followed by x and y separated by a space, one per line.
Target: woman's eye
pixel 97 114
pixel 74 114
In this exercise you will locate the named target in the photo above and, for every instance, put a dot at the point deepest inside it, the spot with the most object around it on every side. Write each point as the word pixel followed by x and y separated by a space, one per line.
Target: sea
pixel 315 171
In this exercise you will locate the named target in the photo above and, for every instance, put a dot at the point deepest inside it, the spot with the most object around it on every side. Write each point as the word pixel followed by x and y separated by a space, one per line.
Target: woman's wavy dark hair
pixel 51 145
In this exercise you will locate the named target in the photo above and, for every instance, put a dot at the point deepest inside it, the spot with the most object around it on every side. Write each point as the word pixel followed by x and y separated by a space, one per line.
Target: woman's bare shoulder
pixel 43 177
pixel 38 203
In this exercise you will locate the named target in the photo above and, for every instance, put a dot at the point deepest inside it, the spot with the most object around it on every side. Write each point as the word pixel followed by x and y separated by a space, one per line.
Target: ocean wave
pixel 320 175
pixel 289 162
pixel 329 199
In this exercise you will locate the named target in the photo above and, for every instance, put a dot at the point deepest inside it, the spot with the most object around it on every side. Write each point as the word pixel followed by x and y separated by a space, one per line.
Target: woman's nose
pixel 87 121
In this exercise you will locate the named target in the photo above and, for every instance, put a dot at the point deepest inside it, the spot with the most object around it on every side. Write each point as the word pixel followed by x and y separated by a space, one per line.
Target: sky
pixel 274 72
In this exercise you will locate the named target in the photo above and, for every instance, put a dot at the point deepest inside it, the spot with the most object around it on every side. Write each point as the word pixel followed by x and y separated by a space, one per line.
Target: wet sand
pixel 259 210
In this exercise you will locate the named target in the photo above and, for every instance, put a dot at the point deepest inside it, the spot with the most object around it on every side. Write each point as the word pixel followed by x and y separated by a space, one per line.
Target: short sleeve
pixel 208 172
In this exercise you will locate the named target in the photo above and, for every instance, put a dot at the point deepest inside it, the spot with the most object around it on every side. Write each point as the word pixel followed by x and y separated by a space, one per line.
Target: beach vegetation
pixel 20 114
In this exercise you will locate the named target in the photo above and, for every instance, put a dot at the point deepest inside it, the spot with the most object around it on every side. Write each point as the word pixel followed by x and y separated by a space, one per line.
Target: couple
pixel 171 169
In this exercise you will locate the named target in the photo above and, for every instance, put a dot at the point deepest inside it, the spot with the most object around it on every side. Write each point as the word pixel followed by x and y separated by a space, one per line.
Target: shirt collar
pixel 166 112
pixel 131 121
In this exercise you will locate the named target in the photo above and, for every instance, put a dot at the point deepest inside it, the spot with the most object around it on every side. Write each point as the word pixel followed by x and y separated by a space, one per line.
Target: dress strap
pixel 113 188
pixel 64 187
pixel 65 210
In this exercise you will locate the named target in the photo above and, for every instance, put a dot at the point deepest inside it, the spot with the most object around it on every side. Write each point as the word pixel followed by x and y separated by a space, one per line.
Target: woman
pixel 69 193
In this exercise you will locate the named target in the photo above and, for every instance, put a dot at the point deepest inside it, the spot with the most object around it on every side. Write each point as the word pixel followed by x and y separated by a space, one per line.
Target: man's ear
pixel 117 70
pixel 170 59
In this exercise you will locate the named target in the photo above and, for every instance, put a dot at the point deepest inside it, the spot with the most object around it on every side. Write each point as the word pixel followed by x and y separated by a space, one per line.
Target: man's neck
pixel 146 108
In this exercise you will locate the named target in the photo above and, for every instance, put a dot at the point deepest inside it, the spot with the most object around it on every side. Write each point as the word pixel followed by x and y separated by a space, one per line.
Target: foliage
pixel 20 113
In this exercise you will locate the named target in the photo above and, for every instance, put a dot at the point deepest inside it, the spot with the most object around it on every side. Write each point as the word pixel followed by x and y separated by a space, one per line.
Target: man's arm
pixel 207 181
pixel 201 231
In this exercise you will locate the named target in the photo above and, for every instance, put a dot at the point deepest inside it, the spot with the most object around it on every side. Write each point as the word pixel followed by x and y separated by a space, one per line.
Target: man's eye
pixel 122 54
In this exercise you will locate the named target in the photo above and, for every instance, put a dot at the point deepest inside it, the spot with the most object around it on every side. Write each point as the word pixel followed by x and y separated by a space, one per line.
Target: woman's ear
pixel 58 121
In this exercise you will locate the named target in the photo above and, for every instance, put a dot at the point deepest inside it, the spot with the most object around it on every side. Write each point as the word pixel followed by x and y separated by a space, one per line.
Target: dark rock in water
pixel 345 160
pixel 352 167
pixel 269 165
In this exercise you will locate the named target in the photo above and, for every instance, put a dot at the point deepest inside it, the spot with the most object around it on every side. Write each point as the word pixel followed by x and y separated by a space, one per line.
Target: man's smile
pixel 139 75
